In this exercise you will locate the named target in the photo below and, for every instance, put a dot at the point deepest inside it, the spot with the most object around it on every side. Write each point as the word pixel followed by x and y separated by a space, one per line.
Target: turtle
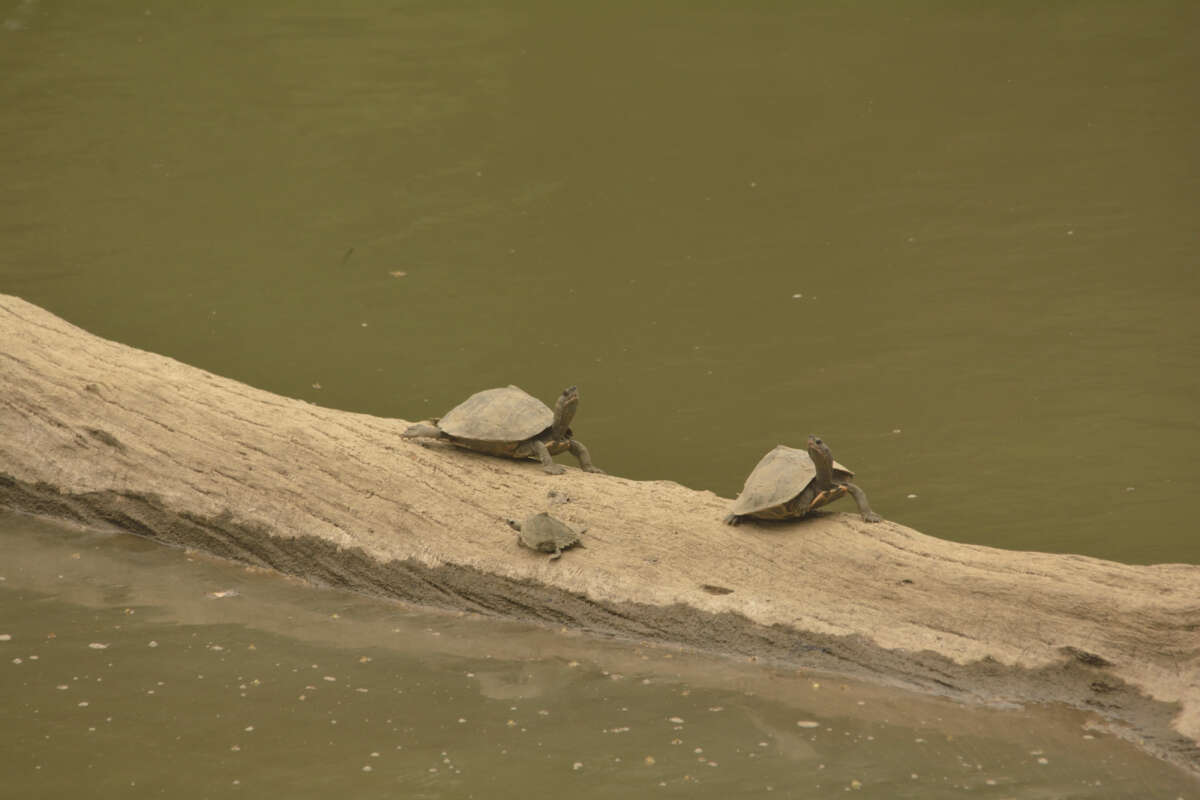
pixel 508 422
pixel 790 483
pixel 546 534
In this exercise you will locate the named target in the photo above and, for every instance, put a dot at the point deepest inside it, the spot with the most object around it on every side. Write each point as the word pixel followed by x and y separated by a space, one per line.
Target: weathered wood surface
pixel 109 435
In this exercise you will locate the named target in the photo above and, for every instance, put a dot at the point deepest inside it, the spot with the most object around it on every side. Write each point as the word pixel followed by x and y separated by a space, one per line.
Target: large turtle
pixel 790 483
pixel 508 422
pixel 546 534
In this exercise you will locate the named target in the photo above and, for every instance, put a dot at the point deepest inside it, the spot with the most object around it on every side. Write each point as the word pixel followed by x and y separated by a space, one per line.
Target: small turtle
pixel 508 422
pixel 791 483
pixel 546 534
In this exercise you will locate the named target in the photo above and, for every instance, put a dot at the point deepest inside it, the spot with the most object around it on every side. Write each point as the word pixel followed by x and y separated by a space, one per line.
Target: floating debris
pixel 98 645
pixel 398 273
pixel 807 723
pixel 223 593
pixel 5 637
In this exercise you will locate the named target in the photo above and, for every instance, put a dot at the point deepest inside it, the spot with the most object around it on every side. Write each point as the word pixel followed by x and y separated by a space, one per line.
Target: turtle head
pixel 822 458
pixel 564 411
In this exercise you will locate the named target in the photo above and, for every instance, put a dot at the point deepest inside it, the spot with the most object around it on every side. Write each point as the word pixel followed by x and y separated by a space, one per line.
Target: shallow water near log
pixel 139 670
pixel 956 241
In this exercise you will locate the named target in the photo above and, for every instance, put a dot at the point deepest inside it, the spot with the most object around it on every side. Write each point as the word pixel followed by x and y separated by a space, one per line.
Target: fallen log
pixel 107 435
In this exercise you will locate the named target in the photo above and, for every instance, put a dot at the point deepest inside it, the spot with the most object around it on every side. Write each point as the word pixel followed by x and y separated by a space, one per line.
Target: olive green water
pixel 957 241
pixel 135 670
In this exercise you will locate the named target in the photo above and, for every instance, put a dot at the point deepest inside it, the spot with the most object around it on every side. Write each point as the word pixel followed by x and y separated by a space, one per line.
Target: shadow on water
pixel 130 667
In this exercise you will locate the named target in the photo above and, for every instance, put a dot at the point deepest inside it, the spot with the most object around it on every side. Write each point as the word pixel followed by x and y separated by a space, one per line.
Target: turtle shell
pixel 782 474
pixel 497 415
pixel 543 532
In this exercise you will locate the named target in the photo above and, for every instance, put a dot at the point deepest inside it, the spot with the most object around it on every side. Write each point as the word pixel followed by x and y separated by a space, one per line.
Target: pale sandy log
pixel 106 434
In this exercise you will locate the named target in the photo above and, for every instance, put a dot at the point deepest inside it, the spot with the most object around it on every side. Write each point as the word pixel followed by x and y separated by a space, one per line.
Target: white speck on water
pixel 152 644
pixel 797 296
pixel 1130 489
pixel 676 720
pixel 896 430
pixel 461 720
pixel 807 723
pixel 330 678
pixel 249 728
pixel 911 497
pixel 16 661
pixel 5 637
pixel 1043 760
pixel 578 765
pixel 98 646
pixel 62 686
pixel 374 755
pixel 366 768
pixel 84 704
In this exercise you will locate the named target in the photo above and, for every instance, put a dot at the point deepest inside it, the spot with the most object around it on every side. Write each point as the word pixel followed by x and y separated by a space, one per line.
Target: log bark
pixel 108 435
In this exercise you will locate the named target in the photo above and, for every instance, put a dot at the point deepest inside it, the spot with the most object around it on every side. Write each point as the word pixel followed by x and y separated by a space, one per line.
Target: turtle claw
pixel 554 469
pixel 596 470
pixel 871 516
pixel 732 519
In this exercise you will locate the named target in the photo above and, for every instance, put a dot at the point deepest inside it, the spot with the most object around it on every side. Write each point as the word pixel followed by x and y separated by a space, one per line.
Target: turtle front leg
pixel 543 454
pixel 557 554
pixel 864 508
pixel 733 519
pixel 585 458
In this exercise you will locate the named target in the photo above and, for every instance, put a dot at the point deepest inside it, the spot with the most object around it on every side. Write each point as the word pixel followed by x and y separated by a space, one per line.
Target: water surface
pixel 139 670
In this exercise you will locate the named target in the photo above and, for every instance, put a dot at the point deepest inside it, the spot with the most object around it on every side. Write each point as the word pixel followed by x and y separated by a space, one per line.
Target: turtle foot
pixel 596 470
pixel 554 469
pixel 732 519
pixel 871 516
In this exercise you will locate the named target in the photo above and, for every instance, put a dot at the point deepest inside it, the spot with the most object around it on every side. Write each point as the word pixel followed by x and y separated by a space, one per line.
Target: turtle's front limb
pixel 543 455
pixel 585 458
pixel 864 508
pixel 733 519
pixel 557 554
pixel 423 430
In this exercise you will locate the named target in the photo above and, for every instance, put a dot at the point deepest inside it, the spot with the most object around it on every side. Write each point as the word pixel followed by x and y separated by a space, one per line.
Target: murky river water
pixel 139 670
pixel 958 242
